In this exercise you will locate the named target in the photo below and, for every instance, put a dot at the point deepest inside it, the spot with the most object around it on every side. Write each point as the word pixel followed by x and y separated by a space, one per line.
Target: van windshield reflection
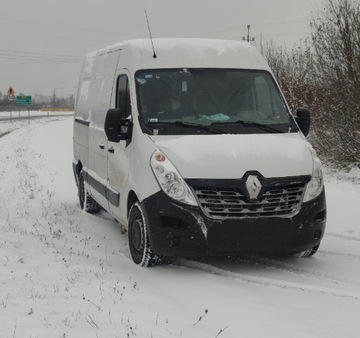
pixel 214 98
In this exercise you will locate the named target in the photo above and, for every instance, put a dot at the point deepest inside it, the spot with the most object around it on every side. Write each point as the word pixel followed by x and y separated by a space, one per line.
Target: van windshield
pixel 200 101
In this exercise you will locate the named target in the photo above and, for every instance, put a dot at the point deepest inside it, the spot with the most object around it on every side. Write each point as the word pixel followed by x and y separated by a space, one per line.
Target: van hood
pixel 231 156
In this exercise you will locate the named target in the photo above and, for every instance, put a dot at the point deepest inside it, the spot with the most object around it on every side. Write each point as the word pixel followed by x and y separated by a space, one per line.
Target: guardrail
pixel 31 114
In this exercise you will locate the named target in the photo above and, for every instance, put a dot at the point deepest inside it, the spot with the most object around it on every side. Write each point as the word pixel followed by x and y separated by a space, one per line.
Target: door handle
pixel 101 146
pixel 111 150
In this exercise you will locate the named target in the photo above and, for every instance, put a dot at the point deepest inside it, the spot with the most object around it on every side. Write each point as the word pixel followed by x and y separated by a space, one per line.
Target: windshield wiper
pixel 197 126
pixel 201 127
pixel 251 124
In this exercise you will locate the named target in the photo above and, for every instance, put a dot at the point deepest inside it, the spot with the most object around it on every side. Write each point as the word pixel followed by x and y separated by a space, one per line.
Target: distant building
pixel 40 99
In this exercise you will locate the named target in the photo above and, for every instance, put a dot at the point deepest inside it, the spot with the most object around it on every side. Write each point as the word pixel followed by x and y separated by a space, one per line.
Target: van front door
pixel 118 163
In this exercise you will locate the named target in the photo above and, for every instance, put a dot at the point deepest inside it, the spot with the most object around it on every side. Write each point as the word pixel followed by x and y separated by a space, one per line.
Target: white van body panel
pixel 94 95
pixel 129 170
pixel 120 173
pixel 215 156
pixel 222 156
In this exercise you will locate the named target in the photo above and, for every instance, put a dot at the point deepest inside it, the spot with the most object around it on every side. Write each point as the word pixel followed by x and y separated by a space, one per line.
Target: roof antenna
pixel 151 39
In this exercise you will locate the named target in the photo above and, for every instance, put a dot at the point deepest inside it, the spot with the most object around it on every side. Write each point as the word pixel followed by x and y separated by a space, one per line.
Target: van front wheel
pixel 308 253
pixel 139 245
pixel 87 203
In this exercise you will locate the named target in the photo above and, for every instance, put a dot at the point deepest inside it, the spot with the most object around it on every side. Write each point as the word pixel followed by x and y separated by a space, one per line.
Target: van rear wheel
pixel 87 203
pixel 139 245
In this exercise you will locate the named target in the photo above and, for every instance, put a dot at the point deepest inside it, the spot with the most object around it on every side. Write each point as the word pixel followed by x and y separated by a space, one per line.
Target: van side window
pixel 123 95
pixel 268 97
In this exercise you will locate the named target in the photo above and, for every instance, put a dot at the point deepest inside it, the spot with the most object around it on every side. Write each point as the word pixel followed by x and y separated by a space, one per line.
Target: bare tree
pixel 324 75
pixel 293 70
pixel 336 49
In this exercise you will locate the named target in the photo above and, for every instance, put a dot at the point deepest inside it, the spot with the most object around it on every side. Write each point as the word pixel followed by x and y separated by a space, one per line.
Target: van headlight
pixel 316 184
pixel 170 179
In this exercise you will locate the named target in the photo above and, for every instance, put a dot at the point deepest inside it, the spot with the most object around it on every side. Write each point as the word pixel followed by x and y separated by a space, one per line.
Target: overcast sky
pixel 43 42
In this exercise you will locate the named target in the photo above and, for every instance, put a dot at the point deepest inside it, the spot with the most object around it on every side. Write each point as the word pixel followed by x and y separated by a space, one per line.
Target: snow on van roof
pixel 189 52
pixel 170 43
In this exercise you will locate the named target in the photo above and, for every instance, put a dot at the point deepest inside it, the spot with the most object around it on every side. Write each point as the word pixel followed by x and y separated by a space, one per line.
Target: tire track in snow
pixel 303 271
pixel 338 254
pixel 267 282
pixel 344 237
pixel 5 133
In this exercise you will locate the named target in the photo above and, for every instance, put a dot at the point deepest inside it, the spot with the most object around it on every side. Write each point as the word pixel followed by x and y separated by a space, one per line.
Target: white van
pixel 190 145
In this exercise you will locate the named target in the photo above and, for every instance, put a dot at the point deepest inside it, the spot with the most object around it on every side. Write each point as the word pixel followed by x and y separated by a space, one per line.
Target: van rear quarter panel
pixel 96 86
pixel 93 100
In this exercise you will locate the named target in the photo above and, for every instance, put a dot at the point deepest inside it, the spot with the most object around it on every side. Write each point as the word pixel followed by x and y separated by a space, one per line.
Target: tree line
pixel 38 102
pixel 323 74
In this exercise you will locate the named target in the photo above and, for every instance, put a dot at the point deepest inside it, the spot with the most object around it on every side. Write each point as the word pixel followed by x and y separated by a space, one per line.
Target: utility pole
pixel 248 39
pixel 54 94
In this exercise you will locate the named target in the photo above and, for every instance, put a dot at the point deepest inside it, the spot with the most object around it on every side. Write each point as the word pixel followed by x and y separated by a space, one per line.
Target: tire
pixel 308 253
pixel 87 203
pixel 139 245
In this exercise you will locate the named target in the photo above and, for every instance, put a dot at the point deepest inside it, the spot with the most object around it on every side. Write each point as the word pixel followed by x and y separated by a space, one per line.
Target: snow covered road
pixel 65 273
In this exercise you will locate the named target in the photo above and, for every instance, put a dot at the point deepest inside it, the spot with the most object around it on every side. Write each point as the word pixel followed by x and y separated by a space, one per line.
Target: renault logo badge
pixel 253 186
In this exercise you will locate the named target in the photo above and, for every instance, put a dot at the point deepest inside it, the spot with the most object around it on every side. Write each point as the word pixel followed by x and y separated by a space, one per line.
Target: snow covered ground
pixel 17 117
pixel 65 273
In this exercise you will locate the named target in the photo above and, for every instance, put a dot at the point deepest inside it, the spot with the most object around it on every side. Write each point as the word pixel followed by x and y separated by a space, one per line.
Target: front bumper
pixel 177 229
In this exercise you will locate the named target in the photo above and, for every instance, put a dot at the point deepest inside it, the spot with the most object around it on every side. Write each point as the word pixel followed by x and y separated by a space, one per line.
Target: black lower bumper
pixel 180 230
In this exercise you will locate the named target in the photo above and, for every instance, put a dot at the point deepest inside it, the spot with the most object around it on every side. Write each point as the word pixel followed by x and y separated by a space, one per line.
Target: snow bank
pixel 65 273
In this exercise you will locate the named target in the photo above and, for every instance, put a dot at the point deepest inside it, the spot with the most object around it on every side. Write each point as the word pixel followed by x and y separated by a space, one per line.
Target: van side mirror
pixel 117 127
pixel 303 120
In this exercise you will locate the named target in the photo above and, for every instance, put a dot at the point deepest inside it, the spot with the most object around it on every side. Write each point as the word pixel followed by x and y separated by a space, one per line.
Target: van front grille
pixel 229 202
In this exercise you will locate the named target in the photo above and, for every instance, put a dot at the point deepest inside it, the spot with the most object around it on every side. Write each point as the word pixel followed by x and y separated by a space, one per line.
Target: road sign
pixel 22 99
pixel 11 97
pixel 11 91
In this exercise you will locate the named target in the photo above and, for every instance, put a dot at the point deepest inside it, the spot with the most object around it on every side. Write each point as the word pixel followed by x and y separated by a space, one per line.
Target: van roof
pixel 186 53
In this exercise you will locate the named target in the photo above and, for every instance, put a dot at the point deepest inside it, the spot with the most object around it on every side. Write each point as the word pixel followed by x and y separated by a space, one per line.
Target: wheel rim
pixel 137 236
pixel 139 246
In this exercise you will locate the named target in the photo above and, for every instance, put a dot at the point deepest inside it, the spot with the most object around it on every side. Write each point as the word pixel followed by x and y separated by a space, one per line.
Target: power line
pixel 39 59
pixel 252 24
pixel 41 54
pixel 6 54
pixel 62 27
pixel 244 26
pixel 49 36
pixel 278 23
pixel 36 59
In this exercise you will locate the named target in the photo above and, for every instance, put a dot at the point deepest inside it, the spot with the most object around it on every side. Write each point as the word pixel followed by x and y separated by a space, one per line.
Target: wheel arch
pixel 132 198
